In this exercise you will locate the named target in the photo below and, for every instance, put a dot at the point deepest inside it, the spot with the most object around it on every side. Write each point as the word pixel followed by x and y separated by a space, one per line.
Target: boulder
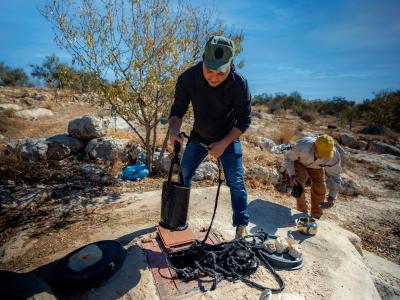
pixel 10 106
pixel 34 113
pixel 265 143
pixel 348 186
pixel 266 174
pixel 383 148
pixel 262 115
pixel 87 127
pixel 372 129
pixel 137 153
pixel 117 123
pixel 108 149
pixel 62 146
pixel 165 161
pixel 40 97
pixel 206 170
pixel 342 153
pixel 333 268
pixel 362 145
pixel 24 286
pixel 386 275
pixel 93 172
pixel 28 149
pixel 348 140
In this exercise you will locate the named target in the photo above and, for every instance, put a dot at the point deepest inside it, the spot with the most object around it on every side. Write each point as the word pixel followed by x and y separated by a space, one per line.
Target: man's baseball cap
pixel 218 53
pixel 324 146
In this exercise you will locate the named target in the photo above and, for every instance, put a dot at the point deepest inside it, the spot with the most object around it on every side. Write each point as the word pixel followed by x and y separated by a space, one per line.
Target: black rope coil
pixel 234 260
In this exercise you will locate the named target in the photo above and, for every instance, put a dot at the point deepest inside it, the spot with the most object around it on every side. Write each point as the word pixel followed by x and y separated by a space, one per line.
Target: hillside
pixel 50 207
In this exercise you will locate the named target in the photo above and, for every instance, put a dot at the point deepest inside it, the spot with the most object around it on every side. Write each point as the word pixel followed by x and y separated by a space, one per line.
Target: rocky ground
pixel 45 205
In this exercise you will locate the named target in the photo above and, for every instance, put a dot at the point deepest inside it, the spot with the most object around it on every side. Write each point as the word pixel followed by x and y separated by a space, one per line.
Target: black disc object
pixel 65 279
pixel 283 261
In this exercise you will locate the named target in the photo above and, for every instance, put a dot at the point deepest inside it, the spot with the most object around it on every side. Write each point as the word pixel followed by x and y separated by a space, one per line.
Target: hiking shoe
pixel 241 231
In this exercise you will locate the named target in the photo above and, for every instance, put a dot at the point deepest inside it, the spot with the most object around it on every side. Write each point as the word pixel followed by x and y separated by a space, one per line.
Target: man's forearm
pixel 234 134
pixel 175 124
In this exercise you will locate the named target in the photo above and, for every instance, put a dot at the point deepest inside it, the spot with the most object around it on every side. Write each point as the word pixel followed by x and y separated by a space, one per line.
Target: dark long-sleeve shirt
pixel 216 109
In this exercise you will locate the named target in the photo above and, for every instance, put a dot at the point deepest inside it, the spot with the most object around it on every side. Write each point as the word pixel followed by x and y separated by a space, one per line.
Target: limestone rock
pixel 93 172
pixel 295 251
pixel 34 113
pixel 28 149
pixel 372 129
pixel 206 170
pixel 265 143
pixel 383 148
pixel 24 286
pixel 87 127
pixel 266 174
pixel 117 123
pixel 270 246
pixel 348 140
pixel 281 245
pixel 362 145
pixel 62 145
pixel 108 149
pixel 348 186
pixel 10 106
pixel 40 97
pixel 165 162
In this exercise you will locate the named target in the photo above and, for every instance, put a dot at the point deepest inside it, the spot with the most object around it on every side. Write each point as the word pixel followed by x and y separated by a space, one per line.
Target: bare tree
pixel 142 46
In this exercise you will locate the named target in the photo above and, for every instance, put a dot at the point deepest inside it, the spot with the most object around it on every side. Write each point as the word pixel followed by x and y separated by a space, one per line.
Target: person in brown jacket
pixel 313 157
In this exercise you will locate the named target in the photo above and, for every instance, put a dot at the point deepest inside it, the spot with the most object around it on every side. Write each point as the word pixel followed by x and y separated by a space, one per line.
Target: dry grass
pixel 5 120
pixel 300 127
pixel 15 169
pixel 123 134
pixel 133 138
pixel 250 136
pixel 115 168
pixel 309 116
pixel 17 128
pixel 260 108
pixel 285 135
pixel 20 128
pixel 261 157
pixel 391 135
pixel 48 104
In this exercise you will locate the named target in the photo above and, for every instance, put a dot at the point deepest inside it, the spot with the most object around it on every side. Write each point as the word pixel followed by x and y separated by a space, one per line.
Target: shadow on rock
pixel 23 286
pixel 120 283
pixel 269 216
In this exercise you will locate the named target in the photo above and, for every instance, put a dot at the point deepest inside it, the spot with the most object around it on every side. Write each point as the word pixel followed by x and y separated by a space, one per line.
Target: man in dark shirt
pixel 222 105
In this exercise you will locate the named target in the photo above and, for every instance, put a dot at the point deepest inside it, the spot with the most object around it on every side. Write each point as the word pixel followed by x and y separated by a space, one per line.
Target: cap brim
pixel 217 66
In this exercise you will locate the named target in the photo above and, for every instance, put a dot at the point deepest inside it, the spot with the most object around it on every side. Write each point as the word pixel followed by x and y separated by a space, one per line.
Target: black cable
pixel 220 181
pixel 234 260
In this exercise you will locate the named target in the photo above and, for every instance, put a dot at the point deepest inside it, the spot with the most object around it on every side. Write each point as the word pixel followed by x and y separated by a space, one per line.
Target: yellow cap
pixel 324 146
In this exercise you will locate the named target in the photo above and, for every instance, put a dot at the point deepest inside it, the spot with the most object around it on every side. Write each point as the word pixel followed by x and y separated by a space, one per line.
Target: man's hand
pixel 330 202
pixel 175 124
pixel 293 180
pixel 174 136
pixel 216 149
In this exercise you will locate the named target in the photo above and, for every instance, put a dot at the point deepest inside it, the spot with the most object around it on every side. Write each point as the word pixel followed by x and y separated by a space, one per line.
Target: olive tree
pixel 141 46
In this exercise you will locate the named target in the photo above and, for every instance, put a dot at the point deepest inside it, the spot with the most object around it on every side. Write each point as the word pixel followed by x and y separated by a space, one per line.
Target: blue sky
pixel 320 48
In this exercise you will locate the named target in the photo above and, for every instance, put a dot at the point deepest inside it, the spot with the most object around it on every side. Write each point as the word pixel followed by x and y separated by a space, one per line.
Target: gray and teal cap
pixel 218 53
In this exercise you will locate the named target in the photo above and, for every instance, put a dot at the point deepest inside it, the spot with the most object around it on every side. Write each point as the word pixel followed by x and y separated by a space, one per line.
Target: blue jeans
pixel 231 161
